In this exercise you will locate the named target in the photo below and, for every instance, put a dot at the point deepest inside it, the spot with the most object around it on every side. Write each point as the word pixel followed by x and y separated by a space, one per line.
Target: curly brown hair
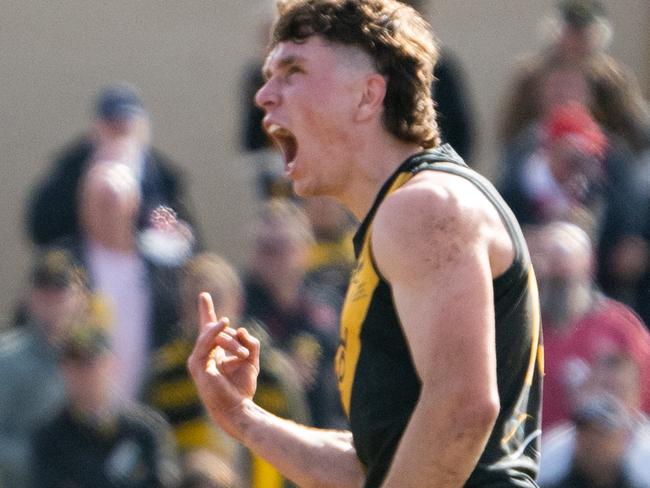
pixel 398 40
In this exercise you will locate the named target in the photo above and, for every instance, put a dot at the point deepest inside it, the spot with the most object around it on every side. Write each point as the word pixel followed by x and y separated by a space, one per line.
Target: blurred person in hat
pixel 120 126
pixel 566 170
pixel 578 28
pixel 606 441
pixel 94 441
pixel 31 384
pixel 577 35
pixel 568 167
pixel 57 292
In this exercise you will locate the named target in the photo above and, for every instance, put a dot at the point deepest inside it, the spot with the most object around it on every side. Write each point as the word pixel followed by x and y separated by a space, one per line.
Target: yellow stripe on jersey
pixel 535 349
pixel 362 286
pixel 363 282
pixel 536 359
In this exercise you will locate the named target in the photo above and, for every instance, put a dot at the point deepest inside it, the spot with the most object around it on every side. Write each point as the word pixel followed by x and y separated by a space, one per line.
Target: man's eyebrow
pixel 281 64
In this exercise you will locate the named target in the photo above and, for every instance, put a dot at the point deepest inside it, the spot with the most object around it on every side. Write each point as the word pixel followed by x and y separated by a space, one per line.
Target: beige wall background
pixel 187 58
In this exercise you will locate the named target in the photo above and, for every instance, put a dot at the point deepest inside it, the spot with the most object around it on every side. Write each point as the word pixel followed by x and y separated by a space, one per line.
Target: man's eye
pixel 293 70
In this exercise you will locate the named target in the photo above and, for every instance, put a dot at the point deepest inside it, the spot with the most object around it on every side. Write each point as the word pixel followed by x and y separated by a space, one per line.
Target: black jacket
pixel 52 209
pixel 136 451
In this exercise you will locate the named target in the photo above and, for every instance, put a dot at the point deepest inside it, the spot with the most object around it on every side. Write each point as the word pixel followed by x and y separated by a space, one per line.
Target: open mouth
pixel 285 141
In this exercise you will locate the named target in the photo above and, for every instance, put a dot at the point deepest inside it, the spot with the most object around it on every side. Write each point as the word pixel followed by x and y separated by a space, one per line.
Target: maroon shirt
pixel 610 327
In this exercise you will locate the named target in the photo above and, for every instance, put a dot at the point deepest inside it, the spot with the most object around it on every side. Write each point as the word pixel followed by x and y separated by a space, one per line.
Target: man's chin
pixel 306 191
pixel 305 187
pixel 302 189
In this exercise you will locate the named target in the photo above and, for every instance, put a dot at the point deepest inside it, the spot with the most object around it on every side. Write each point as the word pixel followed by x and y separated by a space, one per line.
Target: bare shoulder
pixel 435 220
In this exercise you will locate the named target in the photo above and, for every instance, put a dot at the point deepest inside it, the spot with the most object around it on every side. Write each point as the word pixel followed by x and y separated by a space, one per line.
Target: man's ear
pixel 372 97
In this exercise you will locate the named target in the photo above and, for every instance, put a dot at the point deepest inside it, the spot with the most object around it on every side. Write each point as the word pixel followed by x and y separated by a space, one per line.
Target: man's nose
pixel 267 96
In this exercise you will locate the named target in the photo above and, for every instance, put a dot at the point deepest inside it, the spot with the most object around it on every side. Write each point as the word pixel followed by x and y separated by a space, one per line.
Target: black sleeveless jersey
pixel 377 379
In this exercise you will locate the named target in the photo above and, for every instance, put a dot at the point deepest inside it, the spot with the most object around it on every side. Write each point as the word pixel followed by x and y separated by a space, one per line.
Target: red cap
pixel 573 120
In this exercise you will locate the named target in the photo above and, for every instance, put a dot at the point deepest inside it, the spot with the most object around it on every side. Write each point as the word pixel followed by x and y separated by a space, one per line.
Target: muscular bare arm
pixel 224 366
pixel 309 457
pixel 432 245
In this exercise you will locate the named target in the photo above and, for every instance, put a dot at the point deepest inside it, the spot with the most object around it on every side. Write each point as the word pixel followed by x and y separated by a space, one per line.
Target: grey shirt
pixel 31 392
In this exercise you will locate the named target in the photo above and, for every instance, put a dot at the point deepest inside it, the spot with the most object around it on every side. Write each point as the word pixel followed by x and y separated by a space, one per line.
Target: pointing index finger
pixel 206 311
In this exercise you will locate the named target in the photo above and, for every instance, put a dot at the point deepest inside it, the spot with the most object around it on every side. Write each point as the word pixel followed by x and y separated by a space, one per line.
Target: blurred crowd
pixel 94 390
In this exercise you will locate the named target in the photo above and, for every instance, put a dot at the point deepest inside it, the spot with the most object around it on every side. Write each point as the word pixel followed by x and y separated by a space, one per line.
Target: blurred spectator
pixel 31 385
pixel 120 120
pixel 276 295
pixel 626 273
pixel 565 167
pixel 454 112
pixel 253 137
pixel 269 164
pixel 579 34
pixel 141 291
pixel 623 271
pixel 638 262
pixel 171 390
pixel 280 390
pixel 203 469
pixel 330 260
pixel 333 228
pixel 607 442
pixel 580 323
pixel 168 387
pixel 453 105
pixel 564 170
pixel 282 238
pixel 94 442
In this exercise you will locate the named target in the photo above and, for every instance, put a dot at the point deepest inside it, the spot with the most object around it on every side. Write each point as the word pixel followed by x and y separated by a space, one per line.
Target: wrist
pixel 239 421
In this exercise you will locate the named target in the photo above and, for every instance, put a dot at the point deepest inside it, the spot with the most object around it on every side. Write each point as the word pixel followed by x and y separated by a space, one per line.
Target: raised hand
pixel 224 364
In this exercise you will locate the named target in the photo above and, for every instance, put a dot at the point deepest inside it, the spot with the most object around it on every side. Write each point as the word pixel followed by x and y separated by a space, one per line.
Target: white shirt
pixel 122 279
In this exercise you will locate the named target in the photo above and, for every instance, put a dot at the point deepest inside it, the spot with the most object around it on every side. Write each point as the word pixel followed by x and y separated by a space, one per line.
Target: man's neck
pixel 374 165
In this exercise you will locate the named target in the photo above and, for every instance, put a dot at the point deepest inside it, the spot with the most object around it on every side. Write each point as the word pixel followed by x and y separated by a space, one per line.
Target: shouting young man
pixel 439 362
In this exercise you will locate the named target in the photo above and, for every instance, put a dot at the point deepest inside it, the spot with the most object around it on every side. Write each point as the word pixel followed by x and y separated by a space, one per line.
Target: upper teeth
pixel 275 129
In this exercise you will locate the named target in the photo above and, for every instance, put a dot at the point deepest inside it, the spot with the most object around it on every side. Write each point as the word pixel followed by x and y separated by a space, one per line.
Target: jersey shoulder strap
pixel 441 154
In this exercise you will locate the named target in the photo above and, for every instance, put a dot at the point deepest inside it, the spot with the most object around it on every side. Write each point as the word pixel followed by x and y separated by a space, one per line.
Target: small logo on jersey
pixel 339 360
pixel 357 290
